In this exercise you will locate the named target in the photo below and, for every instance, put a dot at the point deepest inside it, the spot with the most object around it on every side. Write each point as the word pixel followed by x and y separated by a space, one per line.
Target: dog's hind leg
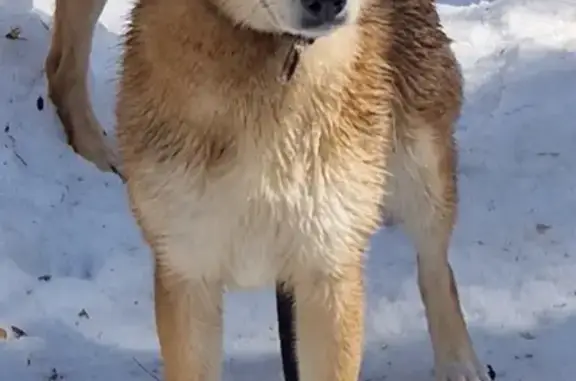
pixel 286 331
pixel 424 195
pixel 66 71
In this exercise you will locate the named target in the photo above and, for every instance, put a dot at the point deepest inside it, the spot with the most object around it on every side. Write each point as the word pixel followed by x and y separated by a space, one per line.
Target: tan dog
pixel 254 155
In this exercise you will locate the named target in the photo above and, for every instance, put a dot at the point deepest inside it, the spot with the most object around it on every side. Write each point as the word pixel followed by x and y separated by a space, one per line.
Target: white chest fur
pixel 281 206
pixel 260 220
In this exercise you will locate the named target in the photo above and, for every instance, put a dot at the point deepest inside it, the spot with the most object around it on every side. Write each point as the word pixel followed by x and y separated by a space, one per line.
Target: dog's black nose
pixel 319 12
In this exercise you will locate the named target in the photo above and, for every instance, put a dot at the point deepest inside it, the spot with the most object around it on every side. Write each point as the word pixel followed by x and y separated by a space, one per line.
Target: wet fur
pixel 238 180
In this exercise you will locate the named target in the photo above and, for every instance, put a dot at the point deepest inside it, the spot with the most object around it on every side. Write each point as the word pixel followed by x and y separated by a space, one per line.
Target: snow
pixel 513 252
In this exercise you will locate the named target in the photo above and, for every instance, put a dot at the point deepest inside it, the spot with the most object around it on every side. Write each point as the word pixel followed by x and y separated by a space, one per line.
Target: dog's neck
pixel 296 45
pixel 293 56
pixel 208 54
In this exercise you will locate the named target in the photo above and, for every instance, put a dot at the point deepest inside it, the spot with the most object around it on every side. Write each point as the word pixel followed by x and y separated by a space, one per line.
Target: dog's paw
pixel 464 371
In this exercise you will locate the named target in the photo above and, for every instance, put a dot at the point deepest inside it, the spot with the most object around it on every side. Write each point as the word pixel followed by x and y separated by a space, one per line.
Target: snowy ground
pixel 76 277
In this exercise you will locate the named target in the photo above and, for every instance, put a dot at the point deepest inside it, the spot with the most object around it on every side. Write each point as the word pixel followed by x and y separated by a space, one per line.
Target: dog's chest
pixel 291 196
pixel 271 213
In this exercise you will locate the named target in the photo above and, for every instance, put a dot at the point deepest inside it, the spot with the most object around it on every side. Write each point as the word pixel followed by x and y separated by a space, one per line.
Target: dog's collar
pixel 297 45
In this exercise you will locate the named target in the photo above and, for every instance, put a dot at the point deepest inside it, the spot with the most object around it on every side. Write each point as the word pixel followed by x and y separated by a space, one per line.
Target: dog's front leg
pixel 189 322
pixel 329 325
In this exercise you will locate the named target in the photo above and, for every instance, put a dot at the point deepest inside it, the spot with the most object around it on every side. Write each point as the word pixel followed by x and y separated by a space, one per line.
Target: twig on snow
pixel 145 370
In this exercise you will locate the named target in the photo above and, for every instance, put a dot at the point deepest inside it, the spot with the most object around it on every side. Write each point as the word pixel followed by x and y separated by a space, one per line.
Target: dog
pixel 259 141
pixel 66 69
